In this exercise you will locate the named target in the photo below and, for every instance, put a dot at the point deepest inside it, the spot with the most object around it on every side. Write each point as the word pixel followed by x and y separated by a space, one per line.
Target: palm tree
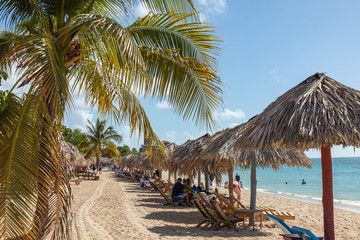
pixel 101 138
pixel 62 45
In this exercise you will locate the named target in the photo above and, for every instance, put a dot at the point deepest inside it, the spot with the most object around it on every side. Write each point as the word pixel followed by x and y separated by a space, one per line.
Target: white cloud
pixel 77 116
pixel 228 114
pixel 163 105
pixel 140 10
pixel 276 76
pixel 210 8
pixel 179 137
pixel 10 82
pixel 127 139
pixel 171 136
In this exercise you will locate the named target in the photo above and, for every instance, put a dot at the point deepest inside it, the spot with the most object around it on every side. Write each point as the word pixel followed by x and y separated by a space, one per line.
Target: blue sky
pixel 269 46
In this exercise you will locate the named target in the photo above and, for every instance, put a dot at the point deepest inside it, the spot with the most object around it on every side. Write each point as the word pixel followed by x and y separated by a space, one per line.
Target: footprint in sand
pixel 86 228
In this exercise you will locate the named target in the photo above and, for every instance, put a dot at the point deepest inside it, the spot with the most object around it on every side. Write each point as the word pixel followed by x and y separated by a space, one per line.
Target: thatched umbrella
pixel 225 156
pixel 186 157
pixel 72 153
pixel 318 113
pixel 155 159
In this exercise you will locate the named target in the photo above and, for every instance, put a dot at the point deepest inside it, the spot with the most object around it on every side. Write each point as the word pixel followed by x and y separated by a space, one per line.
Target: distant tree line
pixel 81 141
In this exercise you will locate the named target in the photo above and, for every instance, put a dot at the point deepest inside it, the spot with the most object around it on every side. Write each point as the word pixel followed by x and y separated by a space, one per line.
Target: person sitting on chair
pixel 179 192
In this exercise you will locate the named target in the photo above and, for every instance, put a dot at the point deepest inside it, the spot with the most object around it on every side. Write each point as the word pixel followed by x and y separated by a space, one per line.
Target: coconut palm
pixel 101 138
pixel 62 46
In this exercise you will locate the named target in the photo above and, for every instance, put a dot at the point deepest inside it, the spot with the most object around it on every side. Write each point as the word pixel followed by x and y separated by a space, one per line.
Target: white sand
pixel 113 208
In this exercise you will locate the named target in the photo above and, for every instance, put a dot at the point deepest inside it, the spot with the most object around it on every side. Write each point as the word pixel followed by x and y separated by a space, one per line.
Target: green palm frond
pixel 103 39
pixel 192 88
pixel 7 39
pixel 103 88
pixel 24 164
pixel 42 59
pixel 12 11
pixel 9 110
pixel 164 6
pixel 110 147
pixel 168 31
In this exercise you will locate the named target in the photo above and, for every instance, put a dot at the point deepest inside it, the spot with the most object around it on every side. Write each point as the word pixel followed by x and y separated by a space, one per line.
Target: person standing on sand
pixel 237 190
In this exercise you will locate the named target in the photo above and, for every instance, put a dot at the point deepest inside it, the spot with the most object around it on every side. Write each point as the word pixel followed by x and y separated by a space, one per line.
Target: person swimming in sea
pixel 303 181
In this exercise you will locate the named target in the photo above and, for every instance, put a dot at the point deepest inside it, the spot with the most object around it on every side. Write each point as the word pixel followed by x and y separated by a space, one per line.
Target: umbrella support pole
pixel 199 177
pixel 327 198
pixel 231 182
pixel 207 181
pixel 253 191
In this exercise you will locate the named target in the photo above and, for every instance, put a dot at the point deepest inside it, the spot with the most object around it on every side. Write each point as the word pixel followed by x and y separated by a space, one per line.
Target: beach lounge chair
pixel 205 199
pixel 209 219
pixel 144 183
pixel 304 233
pixel 280 223
pixel 76 181
pixel 155 187
pixel 224 220
pixel 168 200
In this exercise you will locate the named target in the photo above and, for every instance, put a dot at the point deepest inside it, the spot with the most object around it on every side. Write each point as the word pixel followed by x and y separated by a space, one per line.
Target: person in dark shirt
pixel 179 192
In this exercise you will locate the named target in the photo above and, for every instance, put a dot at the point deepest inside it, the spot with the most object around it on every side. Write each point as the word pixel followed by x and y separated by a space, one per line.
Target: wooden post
pixel 327 199
pixel 206 180
pixel 231 182
pixel 199 177
pixel 175 177
pixel 253 191
pixel 169 175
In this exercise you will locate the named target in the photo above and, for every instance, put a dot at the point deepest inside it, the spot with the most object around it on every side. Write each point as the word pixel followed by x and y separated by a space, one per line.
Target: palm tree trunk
pixel 97 164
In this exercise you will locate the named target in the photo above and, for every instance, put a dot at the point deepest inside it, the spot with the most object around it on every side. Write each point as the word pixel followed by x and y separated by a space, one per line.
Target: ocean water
pixel 346 181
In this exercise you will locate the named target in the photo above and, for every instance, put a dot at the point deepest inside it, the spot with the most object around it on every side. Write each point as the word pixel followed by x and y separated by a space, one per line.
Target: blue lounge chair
pixel 280 223
pixel 304 233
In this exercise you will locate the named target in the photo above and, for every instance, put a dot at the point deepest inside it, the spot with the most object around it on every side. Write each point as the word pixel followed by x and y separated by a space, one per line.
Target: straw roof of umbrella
pixel 104 160
pixel 71 153
pixel 221 155
pixel 318 112
pixel 152 161
pixel 185 158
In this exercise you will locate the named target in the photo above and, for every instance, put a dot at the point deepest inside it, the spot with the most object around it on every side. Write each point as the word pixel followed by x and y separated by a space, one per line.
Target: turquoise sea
pixel 346 182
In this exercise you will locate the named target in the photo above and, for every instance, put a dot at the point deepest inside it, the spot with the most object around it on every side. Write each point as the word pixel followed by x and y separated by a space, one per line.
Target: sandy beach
pixel 114 208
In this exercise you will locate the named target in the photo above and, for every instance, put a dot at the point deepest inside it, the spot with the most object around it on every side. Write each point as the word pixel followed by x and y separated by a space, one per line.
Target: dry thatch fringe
pixel 156 160
pixel 221 155
pixel 104 160
pixel 185 159
pixel 318 112
pixel 72 154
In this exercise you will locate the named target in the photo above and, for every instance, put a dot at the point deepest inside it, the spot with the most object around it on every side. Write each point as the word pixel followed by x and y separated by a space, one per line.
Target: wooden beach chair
pixel 209 219
pixel 205 199
pixel 165 186
pixel 229 207
pixel 155 187
pixel 224 220
pixel 76 181
pixel 168 200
